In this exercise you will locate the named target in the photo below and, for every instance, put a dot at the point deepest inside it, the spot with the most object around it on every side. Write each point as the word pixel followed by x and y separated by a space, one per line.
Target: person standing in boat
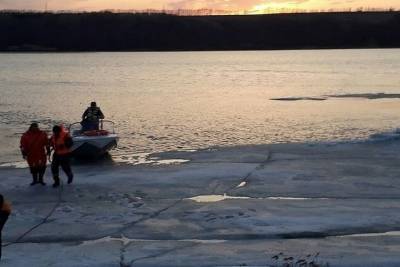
pixel 34 147
pixel 61 142
pixel 91 117
pixel 5 210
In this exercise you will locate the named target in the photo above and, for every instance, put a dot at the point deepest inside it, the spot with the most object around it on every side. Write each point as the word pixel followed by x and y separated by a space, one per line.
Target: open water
pixel 191 100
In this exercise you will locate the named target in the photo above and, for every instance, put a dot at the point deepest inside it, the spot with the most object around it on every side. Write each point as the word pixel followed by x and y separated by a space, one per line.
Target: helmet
pixel 56 129
pixel 34 125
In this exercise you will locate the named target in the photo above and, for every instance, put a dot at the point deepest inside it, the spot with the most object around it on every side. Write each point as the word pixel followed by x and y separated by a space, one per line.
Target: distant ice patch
pixel 386 136
pixel 326 97
pixel 293 198
pixel 217 198
pixel 214 198
pixel 169 161
pixel 299 98
pixel 125 241
pixel 242 184
pixel 145 158
pixel 17 165
pixel 393 233
pixel 367 95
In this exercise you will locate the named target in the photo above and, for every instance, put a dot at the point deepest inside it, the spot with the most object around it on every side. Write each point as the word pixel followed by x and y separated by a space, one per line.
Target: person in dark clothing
pixel 91 118
pixel 34 148
pixel 5 211
pixel 61 143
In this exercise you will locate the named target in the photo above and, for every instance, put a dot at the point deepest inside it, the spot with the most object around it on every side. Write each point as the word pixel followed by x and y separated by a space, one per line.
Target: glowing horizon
pixel 251 6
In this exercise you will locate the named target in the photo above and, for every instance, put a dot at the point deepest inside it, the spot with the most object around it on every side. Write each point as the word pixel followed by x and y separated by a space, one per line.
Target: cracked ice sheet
pixel 343 251
pixel 260 153
pixel 265 218
pixel 79 221
pixel 336 171
pixel 100 204
pixel 62 255
pixel 338 252
pixel 106 193
pixel 343 178
pixel 181 181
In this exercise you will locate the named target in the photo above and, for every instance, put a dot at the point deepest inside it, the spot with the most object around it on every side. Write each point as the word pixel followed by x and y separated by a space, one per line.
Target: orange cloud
pixel 230 4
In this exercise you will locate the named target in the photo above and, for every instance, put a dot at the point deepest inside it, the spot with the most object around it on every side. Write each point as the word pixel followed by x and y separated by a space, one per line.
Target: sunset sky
pixel 229 5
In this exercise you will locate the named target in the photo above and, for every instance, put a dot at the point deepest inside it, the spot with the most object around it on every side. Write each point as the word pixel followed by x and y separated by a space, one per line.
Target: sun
pixel 267 8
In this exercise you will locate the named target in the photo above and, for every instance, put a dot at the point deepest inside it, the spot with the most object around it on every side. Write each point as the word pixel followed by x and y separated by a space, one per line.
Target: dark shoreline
pixel 185 51
pixel 126 32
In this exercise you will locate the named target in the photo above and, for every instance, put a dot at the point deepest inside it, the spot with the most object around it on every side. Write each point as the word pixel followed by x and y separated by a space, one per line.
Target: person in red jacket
pixel 61 143
pixel 5 210
pixel 34 147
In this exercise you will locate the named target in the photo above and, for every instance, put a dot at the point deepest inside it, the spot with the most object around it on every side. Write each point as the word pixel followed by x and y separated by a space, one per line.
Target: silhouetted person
pixel 34 147
pixel 61 143
pixel 91 117
pixel 5 211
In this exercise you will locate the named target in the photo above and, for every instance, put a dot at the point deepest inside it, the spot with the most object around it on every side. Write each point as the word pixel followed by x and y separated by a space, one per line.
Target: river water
pixel 191 100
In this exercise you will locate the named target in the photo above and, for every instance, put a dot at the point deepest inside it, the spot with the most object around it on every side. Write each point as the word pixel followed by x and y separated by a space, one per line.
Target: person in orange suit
pixel 5 211
pixel 61 143
pixel 34 147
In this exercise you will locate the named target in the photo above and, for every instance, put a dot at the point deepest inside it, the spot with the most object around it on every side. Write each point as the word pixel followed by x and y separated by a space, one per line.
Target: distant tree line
pixel 106 31
pixel 213 12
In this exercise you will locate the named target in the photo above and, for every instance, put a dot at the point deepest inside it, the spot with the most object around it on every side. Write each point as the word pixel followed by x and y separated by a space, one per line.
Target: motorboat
pixel 93 143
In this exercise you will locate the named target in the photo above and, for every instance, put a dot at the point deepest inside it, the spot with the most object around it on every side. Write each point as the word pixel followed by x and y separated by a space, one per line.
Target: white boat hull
pixel 93 146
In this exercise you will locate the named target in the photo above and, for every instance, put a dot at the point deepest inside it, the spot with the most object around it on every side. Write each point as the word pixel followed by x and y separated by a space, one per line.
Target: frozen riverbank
pixel 224 207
